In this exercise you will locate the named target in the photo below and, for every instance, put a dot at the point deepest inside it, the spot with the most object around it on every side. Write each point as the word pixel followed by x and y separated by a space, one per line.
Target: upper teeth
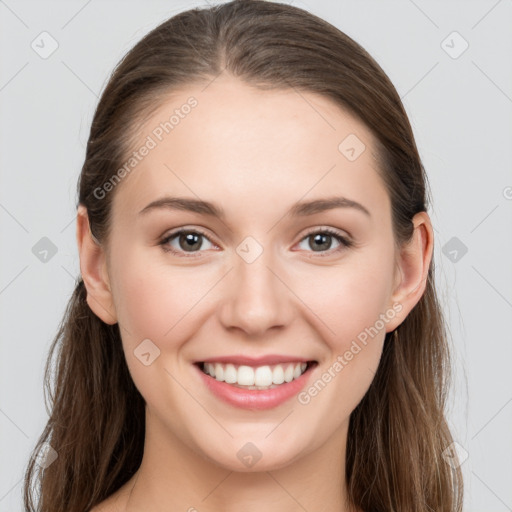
pixel 258 376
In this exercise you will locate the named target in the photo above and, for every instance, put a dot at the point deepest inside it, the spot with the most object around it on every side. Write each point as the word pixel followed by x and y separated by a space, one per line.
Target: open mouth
pixel 256 377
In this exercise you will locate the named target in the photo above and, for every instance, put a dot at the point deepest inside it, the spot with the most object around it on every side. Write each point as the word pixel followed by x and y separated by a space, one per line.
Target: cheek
pixel 155 302
pixel 153 299
pixel 349 298
pixel 350 305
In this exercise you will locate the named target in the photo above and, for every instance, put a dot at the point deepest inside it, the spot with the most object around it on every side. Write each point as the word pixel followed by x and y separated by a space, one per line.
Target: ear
pixel 93 267
pixel 412 269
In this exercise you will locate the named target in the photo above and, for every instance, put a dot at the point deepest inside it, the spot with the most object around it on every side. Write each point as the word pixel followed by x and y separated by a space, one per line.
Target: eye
pixel 321 241
pixel 191 241
pixel 186 241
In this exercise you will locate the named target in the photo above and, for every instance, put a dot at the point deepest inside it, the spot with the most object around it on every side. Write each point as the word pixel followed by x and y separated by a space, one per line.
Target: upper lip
pixel 270 359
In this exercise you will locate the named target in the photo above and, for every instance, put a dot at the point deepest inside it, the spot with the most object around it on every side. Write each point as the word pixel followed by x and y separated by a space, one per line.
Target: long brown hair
pixel 398 432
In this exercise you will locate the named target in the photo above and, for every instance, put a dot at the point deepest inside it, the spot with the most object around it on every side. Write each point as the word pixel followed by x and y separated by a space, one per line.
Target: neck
pixel 172 476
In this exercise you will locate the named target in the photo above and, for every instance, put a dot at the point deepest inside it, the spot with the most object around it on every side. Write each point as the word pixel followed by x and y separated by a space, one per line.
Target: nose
pixel 257 298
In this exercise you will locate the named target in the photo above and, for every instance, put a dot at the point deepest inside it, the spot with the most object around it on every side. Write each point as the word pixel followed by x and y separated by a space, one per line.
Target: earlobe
pixel 413 265
pixel 94 270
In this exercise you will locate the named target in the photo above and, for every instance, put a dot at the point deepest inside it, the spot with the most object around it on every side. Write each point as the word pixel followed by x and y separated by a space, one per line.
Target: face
pixel 266 279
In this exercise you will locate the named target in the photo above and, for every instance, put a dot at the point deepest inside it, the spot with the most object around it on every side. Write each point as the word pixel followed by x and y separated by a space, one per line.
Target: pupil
pixel 191 239
pixel 321 240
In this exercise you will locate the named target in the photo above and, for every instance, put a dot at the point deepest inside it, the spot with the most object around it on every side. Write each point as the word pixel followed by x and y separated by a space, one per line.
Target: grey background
pixel 460 109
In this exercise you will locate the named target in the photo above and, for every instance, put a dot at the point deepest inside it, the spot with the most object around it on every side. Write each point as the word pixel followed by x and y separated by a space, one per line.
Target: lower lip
pixel 255 398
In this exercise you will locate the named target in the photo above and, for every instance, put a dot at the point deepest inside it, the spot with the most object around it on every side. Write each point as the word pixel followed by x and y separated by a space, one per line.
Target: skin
pixel 255 153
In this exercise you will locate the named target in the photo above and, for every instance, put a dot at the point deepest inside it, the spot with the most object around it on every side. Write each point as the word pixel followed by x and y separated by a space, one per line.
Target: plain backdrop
pixel 451 64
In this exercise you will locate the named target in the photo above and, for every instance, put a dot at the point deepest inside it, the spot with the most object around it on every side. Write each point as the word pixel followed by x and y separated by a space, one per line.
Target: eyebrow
pixel 299 209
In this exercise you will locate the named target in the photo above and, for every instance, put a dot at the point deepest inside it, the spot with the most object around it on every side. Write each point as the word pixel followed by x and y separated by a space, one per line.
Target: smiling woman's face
pixel 263 279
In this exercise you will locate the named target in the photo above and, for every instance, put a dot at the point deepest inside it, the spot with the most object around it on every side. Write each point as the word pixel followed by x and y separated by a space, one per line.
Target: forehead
pixel 234 144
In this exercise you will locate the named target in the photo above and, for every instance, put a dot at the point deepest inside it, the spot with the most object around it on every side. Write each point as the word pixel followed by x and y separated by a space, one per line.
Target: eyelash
pixel 345 243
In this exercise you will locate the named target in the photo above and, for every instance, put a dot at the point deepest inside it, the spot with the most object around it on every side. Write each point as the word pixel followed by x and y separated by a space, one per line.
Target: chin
pixel 252 456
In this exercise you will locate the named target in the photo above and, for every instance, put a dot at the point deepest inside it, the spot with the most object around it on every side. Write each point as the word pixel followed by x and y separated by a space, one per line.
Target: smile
pixel 260 377
pixel 253 386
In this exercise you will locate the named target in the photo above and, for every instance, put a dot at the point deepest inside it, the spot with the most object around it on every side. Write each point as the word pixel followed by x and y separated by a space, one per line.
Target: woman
pixel 256 323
